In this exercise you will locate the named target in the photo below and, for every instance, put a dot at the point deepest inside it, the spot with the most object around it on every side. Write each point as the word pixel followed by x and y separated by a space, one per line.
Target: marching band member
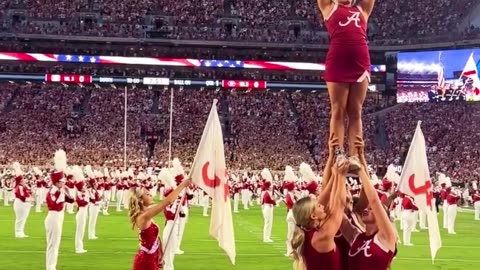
pixel 22 203
pixel 115 177
pixel 94 205
pixel 268 202
pixel 313 240
pixel 82 200
pixel 289 186
pixel 170 232
pixel 161 190
pixel 128 184
pixel 41 185
pixel 442 179
pixel 70 184
pixel 397 207
pixel 311 187
pixel 245 191
pixel 56 198
pixel 236 192
pixel 141 211
pixel 107 190
pixel 453 199
pixel 186 195
pixel 121 189
pixel 205 203
pixel 375 248
pixel 8 188
pixel 476 203
pixel 408 218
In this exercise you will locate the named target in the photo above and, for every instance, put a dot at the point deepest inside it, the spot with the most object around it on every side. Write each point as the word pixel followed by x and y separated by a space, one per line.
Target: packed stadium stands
pixel 230 20
pixel 262 129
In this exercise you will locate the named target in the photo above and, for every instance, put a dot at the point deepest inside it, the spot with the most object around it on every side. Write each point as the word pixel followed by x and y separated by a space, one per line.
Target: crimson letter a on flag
pixel 209 172
pixel 415 181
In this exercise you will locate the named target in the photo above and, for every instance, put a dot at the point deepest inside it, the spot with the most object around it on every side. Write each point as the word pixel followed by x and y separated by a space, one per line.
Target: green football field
pixel 117 244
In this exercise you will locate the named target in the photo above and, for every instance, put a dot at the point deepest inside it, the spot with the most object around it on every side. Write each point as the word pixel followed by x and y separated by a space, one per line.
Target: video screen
pixel 438 76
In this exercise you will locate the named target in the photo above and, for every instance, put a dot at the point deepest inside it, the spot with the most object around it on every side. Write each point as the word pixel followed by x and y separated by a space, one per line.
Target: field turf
pixel 117 245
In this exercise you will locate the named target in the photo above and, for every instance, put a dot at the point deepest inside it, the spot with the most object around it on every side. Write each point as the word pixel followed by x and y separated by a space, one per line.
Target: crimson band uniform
pixel 113 184
pixel 56 199
pixel 185 209
pixel 7 192
pixel 408 218
pixel 41 186
pixel 443 195
pixel 246 195
pixel 93 209
pixel 21 206
pixel 236 197
pixel 476 204
pixel 452 201
pixel 82 200
pixel 268 204
pixel 205 203
pixel 70 184
pixel 348 58
pixel 161 190
pixel 107 191
pixel 170 232
pixel 290 201
pixel 120 193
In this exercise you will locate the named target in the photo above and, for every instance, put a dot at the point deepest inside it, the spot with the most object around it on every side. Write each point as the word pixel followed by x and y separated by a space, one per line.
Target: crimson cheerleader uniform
pixel 348 58
pixel 367 253
pixel 150 253
pixel 315 260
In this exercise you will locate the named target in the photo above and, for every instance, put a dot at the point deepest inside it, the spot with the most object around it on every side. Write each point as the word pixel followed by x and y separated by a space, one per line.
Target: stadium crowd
pixel 247 20
pixel 262 129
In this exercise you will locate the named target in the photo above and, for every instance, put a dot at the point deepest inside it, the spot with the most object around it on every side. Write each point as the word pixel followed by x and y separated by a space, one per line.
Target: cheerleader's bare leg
pixel 356 97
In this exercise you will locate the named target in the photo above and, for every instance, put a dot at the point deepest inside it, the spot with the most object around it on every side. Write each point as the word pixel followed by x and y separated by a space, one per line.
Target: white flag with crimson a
pixel 209 172
pixel 415 181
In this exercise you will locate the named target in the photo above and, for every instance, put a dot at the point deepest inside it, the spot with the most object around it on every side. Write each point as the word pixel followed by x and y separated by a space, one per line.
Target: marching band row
pixel 90 192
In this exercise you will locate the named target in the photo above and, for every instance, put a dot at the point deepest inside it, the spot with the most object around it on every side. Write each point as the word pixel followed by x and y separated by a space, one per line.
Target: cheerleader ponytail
pixel 135 205
pixel 302 211
pixel 297 242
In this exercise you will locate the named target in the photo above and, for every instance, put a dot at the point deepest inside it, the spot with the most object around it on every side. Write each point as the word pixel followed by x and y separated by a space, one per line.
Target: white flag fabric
pixel 470 71
pixel 209 172
pixel 415 181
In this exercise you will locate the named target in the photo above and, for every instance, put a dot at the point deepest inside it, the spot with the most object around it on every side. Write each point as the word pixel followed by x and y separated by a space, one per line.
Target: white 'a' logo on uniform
pixel 355 17
pixel 365 248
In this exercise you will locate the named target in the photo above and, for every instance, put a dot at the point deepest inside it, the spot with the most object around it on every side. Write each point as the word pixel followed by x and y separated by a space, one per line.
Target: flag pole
pixel 125 131
pixel 177 213
pixel 170 130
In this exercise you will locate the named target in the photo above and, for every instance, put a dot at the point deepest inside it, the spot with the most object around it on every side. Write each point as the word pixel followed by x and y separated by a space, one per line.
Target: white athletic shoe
pixel 355 164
